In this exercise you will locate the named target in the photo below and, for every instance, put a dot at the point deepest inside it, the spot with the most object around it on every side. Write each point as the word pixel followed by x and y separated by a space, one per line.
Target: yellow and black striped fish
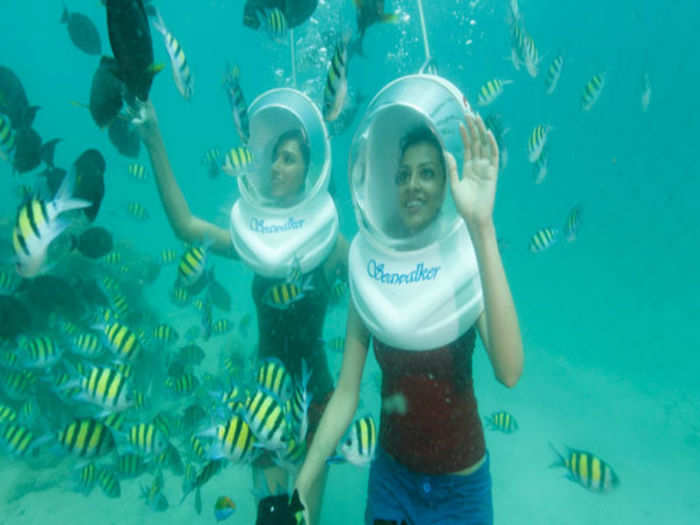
pixel 121 340
pixel 537 141
pixel 130 465
pixel 115 421
pixel 239 108
pixel 125 369
pixel 336 89
pixel 7 137
pixel 184 384
pixel 39 352
pixel 168 256
pixel 38 224
pixel 179 296
pixel 586 469
pixel 212 160
pixel 268 419
pixel 273 21
pixel 502 421
pixel 113 257
pixel 491 90
pixel 120 303
pixel 273 375
pixel 109 483
pixel 361 443
pixel 86 344
pixel 110 283
pixel 146 439
pixel 8 281
pixel 222 326
pixel 18 440
pixel 592 91
pixel 192 265
pixel 7 414
pixel 137 171
pixel 106 388
pixel 137 211
pixel 197 447
pixel 292 454
pixel 178 61
pixel 237 161
pixel 87 438
pixel 234 398
pixel 573 221
pixel 18 384
pixel 87 478
pixel 234 440
pixel 338 291
pixel 553 74
pixel 541 167
pixel 284 294
pixel 543 238
pixel 164 333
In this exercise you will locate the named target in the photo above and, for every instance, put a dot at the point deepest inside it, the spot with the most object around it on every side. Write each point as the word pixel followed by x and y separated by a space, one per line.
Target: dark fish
pixel 48 150
pixel 95 242
pixel 27 150
pixel 82 32
pixel 124 137
pixel 280 510
pixel 130 38
pixel 89 180
pixel 15 318
pixel 13 100
pixel 48 294
pixel 91 292
pixel 219 296
pixel 106 93
pixel 369 12
pixel 296 12
pixel 54 178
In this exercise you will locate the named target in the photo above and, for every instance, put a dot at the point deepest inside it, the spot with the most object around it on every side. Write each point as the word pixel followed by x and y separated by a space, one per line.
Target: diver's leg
pixel 315 497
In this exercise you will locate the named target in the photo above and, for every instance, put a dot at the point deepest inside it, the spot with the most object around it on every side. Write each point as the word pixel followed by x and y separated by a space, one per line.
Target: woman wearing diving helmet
pixel 425 276
pixel 285 223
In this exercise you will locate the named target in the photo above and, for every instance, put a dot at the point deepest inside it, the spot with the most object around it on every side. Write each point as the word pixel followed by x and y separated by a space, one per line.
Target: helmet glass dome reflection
pixel 291 151
pixel 397 167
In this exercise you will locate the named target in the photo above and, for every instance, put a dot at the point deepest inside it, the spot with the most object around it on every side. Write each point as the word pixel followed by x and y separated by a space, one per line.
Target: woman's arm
pixel 341 407
pixel 186 226
pixel 474 196
pixel 498 324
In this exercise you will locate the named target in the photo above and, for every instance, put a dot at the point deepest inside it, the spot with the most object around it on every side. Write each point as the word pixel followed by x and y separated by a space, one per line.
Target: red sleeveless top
pixel 436 428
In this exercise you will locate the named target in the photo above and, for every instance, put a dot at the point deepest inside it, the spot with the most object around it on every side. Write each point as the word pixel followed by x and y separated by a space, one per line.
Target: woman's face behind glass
pixel 287 172
pixel 421 185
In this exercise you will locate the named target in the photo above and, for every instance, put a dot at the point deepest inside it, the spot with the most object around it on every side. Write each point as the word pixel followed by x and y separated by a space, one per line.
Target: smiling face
pixel 287 172
pixel 421 185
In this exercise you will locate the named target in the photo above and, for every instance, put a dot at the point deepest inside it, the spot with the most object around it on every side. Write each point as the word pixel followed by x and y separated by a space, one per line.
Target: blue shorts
pixel 398 494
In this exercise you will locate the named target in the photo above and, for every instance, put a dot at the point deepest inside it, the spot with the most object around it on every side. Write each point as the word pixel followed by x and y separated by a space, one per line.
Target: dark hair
pixel 300 138
pixel 419 135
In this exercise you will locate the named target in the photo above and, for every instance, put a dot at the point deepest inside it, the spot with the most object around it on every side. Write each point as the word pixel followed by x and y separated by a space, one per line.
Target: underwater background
pixel 609 320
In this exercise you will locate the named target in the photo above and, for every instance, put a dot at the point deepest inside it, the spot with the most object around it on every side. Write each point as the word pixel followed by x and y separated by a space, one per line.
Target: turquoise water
pixel 607 320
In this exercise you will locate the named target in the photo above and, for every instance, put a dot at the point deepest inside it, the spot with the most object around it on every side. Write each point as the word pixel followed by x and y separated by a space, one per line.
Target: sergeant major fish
pixel 336 88
pixel 38 224
pixel 181 69
pixel 586 469
pixel 239 108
